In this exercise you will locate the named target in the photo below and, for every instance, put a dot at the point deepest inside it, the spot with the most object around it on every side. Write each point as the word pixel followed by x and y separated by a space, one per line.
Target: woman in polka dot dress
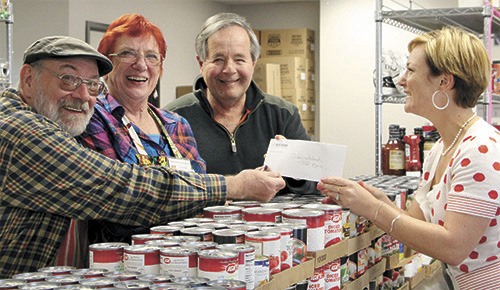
pixel 455 217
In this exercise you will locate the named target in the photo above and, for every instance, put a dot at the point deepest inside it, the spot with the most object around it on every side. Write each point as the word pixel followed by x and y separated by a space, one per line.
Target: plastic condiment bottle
pixel 412 152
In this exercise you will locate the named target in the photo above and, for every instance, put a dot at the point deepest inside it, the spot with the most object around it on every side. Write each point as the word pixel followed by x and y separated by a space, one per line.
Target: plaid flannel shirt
pixel 47 178
pixel 107 135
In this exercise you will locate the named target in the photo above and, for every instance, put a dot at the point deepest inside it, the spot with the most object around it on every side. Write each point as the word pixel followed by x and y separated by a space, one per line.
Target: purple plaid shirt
pixel 107 135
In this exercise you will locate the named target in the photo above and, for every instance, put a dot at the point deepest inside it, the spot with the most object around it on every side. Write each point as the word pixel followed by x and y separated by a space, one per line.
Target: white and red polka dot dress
pixel 470 185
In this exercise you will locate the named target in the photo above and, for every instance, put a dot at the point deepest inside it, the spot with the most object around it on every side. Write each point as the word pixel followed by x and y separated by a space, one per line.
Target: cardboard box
pixel 257 33
pixel 293 71
pixel 288 42
pixel 432 269
pixel 290 276
pixel 182 90
pixel 268 77
pixel 330 253
pixel 310 126
pixel 417 279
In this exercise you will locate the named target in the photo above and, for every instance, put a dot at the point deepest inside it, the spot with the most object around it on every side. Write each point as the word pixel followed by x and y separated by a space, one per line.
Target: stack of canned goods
pixel 244 242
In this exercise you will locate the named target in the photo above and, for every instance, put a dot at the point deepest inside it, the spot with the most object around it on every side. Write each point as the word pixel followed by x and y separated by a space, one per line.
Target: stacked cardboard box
pixel 293 51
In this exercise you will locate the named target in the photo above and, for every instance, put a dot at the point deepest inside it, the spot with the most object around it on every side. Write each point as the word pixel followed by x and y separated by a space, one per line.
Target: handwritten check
pixel 308 160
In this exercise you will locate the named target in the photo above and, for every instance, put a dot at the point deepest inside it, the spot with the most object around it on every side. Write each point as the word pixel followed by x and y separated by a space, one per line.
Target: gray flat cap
pixel 63 47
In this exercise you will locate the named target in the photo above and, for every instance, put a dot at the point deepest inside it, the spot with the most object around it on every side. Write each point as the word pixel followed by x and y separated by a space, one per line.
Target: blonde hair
pixel 461 54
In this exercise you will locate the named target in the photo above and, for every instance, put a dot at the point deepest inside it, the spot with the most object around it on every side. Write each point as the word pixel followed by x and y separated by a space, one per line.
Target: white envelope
pixel 308 160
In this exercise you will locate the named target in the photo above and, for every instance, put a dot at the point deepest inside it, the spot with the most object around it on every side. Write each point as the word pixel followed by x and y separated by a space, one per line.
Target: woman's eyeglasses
pixel 131 56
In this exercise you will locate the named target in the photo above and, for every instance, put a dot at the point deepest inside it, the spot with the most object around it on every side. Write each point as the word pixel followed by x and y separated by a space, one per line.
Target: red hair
pixel 134 25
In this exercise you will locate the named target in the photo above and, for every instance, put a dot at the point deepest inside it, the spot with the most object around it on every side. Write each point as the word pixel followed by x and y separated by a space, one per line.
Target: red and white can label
pixel 332 275
pixel 286 246
pixel 246 261
pixel 317 281
pixel 217 264
pixel 179 262
pixel 261 214
pixel 315 221
pixel 107 256
pixel 333 221
pixel 267 244
pixel 222 212
pixel 142 258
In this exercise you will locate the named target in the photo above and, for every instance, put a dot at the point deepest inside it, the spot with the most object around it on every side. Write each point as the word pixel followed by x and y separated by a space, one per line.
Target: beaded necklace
pixel 458 134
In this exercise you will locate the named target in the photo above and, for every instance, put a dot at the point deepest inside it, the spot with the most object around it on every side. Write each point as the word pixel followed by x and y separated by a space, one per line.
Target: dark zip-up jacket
pixel 227 153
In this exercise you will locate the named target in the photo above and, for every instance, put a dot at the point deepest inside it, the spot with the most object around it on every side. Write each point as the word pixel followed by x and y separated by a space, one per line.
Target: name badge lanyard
pixel 137 141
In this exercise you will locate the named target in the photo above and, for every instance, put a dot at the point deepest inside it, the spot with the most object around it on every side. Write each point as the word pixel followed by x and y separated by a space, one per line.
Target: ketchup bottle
pixel 412 152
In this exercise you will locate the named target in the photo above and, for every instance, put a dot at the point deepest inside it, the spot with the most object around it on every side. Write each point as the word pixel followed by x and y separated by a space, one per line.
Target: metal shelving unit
pixel 6 17
pixel 481 21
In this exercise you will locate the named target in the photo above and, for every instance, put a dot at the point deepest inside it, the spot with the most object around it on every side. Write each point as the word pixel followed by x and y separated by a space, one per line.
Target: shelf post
pixel 378 88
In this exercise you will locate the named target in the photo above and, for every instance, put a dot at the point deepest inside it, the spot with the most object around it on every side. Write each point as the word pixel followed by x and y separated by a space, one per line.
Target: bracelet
pixel 378 210
pixel 393 222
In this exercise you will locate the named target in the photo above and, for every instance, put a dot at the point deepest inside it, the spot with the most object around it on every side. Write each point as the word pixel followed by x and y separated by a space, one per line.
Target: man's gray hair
pixel 221 21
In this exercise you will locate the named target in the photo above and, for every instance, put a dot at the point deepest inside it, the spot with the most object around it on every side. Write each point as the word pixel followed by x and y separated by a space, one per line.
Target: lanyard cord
pixel 137 141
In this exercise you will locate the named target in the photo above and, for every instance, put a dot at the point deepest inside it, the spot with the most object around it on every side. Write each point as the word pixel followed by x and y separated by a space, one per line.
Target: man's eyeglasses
pixel 69 82
pixel 131 56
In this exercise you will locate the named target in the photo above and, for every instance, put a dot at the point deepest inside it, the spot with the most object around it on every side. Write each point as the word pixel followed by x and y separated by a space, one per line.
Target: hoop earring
pixel 434 102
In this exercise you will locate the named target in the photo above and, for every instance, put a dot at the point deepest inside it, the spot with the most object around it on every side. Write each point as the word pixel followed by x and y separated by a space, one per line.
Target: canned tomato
pixel 246 261
pixel 191 281
pixel 352 266
pixel 332 275
pixel 156 278
pixel 217 264
pixel 286 246
pixel 315 221
pixel 142 258
pixel 317 281
pixel 162 243
pixel 181 239
pixel 123 275
pixel 39 285
pixel 244 227
pixel 266 244
pixel 199 245
pixel 107 256
pixel 199 220
pixel 245 203
pixel 261 214
pixel 57 270
pixel 281 205
pixel 170 286
pixel 99 282
pixel 333 221
pixel 298 241
pixel 141 239
pixel 133 284
pixel 228 236
pixel 261 224
pixel 205 234
pixel 222 212
pixel 261 270
pixel 165 230
pixel 9 284
pixel 90 272
pixel 31 277
pixel 179 261
pixel 63 280
pixel 228 284
pixel 182 224
pixel 232 222
pixel 214 226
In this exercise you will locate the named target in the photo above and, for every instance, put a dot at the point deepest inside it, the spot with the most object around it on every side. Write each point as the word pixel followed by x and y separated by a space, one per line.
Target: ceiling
pixel 235 2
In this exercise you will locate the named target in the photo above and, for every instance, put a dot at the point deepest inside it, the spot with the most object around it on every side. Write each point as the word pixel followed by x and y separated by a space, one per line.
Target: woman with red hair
pixel 125 126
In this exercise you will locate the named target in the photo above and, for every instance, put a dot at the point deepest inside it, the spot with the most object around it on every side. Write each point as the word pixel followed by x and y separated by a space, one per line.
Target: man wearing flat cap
pixel 47 179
